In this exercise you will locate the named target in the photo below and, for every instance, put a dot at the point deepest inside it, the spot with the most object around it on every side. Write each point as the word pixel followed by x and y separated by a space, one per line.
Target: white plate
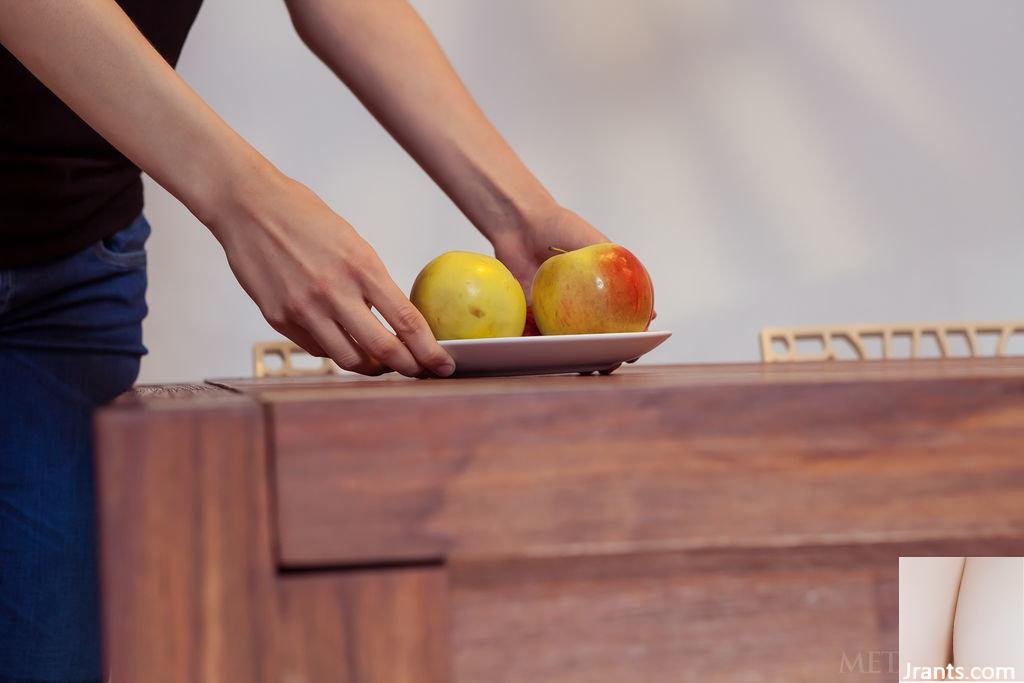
pixel 549 354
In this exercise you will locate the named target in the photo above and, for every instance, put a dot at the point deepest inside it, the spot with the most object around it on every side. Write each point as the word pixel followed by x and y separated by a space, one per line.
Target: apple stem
pixel 557 250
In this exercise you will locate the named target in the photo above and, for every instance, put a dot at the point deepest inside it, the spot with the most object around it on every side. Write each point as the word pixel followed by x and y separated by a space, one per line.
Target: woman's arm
pixel 311 274
pixel 387 56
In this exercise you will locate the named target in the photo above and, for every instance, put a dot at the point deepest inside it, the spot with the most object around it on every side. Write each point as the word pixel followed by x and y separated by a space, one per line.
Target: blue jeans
pixel 70 340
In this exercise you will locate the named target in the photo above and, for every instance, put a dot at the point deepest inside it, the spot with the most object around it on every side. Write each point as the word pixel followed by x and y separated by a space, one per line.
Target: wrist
pixel 517 220
pixel 237 192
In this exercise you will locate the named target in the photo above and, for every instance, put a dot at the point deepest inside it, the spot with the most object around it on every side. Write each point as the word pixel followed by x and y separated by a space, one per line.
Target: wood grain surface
pixel 385 625
pixel 156 394
pixel 191 588
pixel 757 615
pixel 595 466
pixel 663 524
pixel 187 567
pixel 352 387
pixel 670 619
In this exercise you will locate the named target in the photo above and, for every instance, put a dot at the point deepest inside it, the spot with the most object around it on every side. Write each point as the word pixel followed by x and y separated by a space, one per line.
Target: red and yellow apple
pixel 464 295
pixel 600 288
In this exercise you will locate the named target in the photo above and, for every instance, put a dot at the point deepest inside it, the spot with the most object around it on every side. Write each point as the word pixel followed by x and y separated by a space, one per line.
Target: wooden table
pixel 676 523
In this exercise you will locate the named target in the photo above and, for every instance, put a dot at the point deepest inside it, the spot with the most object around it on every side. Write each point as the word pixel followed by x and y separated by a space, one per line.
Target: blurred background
pixel 772 163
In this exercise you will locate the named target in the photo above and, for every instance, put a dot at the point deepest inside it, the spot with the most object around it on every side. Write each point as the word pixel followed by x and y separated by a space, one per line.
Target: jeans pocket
pixel 125 248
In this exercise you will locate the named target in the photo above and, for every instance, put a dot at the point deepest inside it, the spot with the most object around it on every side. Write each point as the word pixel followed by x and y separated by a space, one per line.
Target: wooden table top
pixel 636 377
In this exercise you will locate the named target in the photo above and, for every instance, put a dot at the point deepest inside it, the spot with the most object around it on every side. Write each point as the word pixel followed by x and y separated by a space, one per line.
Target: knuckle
pixel 300 305
pixel 293 310
pixel 384 347
pixel 318 290
pixel 277 318
pixel 408 320
pixel 355 264
pixel 352 268
pixel 349 360
pixel 293 307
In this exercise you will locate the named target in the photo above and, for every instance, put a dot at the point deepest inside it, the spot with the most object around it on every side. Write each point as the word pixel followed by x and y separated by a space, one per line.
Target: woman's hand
pixel 314 279
pixel 523 250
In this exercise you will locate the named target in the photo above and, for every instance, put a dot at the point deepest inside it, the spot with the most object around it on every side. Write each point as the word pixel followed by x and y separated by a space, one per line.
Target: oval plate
pixel 550 354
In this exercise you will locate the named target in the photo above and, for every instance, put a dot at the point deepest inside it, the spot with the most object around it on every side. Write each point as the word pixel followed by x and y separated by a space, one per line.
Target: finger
pixel 302 338
pixel 342 349
pixel 375 340
pixel 410 326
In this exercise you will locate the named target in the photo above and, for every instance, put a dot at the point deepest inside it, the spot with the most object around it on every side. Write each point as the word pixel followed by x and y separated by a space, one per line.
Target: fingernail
pixel 445 370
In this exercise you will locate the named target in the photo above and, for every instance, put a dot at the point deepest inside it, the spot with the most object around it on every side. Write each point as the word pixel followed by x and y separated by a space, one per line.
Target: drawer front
pixel 387 625
pixel 412 479
pixel 675 618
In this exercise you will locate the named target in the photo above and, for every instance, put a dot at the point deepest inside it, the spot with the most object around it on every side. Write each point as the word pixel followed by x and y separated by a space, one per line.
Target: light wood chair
pixel 880 342
pixel 277 359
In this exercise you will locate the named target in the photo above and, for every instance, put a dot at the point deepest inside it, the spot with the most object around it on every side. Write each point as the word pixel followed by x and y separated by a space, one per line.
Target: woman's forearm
pixel 387 56
pixel 92 56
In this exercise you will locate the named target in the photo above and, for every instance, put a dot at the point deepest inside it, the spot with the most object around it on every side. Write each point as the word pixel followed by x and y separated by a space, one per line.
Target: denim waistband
pixel 92 301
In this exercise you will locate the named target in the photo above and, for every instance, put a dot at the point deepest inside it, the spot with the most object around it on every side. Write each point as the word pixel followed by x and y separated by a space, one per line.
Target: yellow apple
pixel 600 288
pixel 469 296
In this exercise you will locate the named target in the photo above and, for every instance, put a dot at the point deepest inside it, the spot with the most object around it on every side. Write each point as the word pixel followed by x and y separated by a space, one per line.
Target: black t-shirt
pixel 62 186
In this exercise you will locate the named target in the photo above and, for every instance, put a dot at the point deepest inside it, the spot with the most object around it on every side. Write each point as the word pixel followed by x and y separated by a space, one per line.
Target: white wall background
pixel 773 163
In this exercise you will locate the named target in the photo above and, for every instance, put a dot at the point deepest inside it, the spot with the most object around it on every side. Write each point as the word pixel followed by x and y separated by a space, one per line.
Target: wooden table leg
pixel 187 567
